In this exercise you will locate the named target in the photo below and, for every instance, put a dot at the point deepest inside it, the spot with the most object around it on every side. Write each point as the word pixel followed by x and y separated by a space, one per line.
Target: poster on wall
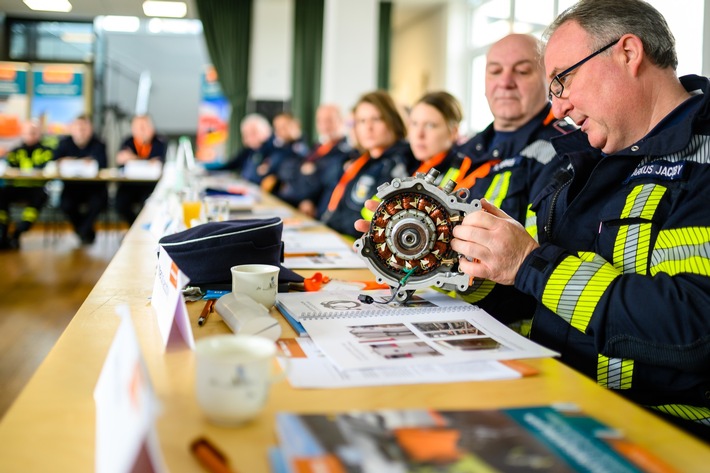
pixel 213 119
pixel 60 93
pixel 14 103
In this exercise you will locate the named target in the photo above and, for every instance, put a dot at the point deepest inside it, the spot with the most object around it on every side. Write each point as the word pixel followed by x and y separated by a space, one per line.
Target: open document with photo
pixel 308 367
pixel 436 328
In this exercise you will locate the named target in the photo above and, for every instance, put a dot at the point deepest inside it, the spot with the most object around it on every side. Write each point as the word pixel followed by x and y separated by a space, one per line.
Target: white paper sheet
pixel 318 250
pixel 309 368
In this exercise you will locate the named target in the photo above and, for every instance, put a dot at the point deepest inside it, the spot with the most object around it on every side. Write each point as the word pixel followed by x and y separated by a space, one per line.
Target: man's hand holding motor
pixel 493 244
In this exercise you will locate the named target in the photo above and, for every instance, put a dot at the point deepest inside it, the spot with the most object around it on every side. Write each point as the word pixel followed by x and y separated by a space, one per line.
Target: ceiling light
pixel 165 9
pixel 162 25
pixel 49 5
pixel 121 24
pixel 83 38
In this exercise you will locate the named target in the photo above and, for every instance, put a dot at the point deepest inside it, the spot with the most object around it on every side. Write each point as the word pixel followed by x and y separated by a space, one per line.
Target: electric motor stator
pixel 408 245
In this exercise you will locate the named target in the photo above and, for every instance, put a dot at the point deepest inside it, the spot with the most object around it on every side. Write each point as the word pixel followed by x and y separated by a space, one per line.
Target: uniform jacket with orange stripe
pixel 640 219
pixel 396 161
pixel 321 176
pixel 522 156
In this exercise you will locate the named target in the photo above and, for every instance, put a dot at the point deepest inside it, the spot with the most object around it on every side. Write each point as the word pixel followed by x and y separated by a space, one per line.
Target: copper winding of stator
pixel 413 231
pixel 408 246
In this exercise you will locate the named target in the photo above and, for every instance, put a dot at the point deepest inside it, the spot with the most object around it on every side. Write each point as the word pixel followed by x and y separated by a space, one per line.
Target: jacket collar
pixel 510 147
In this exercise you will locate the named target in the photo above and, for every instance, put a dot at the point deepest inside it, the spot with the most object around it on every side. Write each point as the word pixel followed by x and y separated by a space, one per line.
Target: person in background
pixel 380 131
pixel 433 129
pixel 503 162
pixel 281 165
pixel 312 183
pixel 256 142
pixel 82 202
pixel 620 275
pixel 29 155
pixel 143 144
pixel 508 156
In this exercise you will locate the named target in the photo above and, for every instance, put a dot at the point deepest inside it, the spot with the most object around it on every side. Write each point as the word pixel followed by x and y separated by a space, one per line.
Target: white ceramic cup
pixel 233 376
pixel 258 281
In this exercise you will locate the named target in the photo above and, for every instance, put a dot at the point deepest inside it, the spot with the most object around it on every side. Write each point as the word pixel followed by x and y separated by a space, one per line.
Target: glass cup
pixel 191 207
pixel 216 209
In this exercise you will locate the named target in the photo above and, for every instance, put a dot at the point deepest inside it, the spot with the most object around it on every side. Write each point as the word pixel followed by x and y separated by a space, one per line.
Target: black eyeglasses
pixel 557 86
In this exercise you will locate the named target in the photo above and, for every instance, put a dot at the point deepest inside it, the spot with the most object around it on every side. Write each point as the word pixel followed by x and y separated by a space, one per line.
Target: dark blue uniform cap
pixel 205 253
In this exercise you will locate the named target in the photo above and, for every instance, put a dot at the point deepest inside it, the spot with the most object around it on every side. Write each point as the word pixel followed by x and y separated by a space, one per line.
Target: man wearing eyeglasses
pixel 620 277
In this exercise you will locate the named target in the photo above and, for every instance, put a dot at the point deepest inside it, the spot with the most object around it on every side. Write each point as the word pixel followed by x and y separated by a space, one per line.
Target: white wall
pixel 418 56
pixel 457 68
pixel 349 66
pixel 271 53
pixel 427 54
pixel 175 63
pixel 687 25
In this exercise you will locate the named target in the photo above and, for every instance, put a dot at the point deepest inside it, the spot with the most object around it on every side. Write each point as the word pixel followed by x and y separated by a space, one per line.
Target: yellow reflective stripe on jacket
pixel 632 244
pixel 575 287
pixel 29 214
pixel 682 250
pixel 614 373
pixel 531 222
pixel 700 415
pixel 451 175
pixel 498 189
pixel 478 290
pixel 3 217
pixel 25 161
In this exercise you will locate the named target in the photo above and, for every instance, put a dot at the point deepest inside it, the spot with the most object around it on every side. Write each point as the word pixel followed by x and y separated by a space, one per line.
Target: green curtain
pixel 384 46
pixel 307 60
pixel 227 29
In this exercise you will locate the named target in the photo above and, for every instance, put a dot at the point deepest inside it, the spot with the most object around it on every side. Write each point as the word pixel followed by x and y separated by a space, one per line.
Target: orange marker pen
pixel 209 457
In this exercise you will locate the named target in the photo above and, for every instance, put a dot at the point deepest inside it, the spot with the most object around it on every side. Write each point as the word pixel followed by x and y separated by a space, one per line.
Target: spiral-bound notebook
pixel 432 327
pixel 324 304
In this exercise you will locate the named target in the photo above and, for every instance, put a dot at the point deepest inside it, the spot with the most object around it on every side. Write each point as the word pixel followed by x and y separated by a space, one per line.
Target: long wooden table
pixel 105 175
pixel 51 426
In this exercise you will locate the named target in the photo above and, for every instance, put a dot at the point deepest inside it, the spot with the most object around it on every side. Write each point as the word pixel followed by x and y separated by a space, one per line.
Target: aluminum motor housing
pixel 410 234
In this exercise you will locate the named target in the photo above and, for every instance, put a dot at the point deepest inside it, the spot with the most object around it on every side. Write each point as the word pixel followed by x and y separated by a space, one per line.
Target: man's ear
pixel 632 48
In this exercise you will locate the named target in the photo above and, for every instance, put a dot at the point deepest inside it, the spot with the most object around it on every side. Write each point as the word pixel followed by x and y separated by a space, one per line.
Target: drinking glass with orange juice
pixel 191 207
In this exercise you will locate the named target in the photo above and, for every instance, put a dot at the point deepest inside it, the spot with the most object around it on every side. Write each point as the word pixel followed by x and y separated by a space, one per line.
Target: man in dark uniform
pixel 311 183
pixel 82 202
pixel 256 143
pixel 142 144
pixel 281 165
pixel 31 154
pixel 620 276
pixel 508 156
